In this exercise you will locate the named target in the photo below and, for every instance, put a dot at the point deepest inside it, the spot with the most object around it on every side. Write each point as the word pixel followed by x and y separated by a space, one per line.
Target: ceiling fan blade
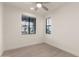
pixel 44 7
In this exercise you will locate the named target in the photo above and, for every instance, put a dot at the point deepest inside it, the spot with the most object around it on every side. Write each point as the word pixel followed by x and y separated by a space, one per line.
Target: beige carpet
pixel 39 50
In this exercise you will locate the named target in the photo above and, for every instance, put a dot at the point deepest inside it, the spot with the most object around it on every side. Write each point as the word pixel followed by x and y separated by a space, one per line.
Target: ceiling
pixel 52 6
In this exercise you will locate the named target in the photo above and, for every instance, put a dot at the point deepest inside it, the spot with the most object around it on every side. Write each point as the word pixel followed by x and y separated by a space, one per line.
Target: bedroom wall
pixel 12 28
pixel 1 32
pixel 66 24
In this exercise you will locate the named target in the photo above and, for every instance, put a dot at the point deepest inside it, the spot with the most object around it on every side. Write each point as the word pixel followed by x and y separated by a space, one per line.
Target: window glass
pixel 28 25
pixel 48 25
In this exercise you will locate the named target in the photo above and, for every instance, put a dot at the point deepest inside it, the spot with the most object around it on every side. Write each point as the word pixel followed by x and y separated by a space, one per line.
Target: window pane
pixel 48 25
pixel 25 24
pixel 32 30
pixel 49 22
pixel 48 29
pixel 32 25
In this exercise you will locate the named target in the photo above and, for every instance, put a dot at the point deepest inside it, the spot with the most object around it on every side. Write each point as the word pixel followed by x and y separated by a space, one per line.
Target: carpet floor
pixel 38 50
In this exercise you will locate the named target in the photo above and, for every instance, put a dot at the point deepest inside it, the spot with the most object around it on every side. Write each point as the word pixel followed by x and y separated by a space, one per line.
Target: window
pixel 48 25
pixel 28 25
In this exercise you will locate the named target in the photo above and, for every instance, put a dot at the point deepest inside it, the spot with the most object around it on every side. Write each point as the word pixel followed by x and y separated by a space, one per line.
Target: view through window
pixel 28 25
pixel 48 25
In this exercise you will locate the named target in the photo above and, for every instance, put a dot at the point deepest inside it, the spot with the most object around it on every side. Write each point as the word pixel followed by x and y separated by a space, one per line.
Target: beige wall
pixel 66 23
pixel 12 28
pixel 1 38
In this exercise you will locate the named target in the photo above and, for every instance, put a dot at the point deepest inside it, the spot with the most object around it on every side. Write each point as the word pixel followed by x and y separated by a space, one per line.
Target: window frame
pixel 28 20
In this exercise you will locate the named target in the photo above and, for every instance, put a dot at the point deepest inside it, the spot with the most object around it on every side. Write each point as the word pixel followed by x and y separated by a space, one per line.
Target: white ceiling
pixel 52 6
